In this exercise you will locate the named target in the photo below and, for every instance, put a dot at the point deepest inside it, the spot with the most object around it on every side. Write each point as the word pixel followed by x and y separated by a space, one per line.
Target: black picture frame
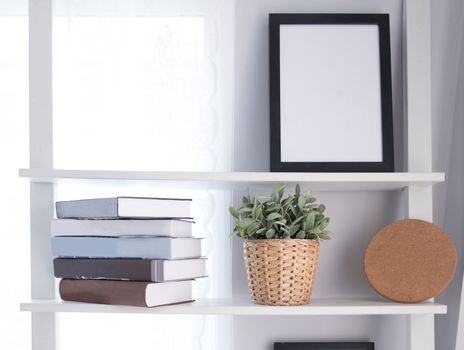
pixel 387 160
pixel 325 346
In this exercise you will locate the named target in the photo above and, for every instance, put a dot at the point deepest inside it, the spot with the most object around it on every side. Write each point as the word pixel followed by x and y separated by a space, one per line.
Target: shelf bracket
pixel 417 87
pixel 421 335
pixel 43 325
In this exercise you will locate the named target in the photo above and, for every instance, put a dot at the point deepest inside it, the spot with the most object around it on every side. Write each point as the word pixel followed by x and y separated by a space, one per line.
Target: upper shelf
pixel 316 181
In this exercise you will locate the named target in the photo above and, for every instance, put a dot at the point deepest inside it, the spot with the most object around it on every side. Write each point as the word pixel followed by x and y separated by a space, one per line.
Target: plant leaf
pixel 301 202
pixel 298 220
pixel 251 229
pixel 270 233
pixel 293 229
pixel 271 207
pixel 280 222
pixel 310 220
pixel 323 224
pixel 310 199
pixel 329 233
pixel 288 200
pixel 244 223
pixel 281 192
pixel 259 211
pixel 233 212
pixel 326 235
pixel 273 216
pixel 276 194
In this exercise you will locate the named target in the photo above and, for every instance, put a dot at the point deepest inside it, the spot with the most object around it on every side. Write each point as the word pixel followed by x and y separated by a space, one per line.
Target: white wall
pixel 356 216
pixel 252 77
pixel 448 146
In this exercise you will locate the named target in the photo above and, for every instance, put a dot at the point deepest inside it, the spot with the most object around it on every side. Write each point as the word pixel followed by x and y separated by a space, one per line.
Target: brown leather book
pixel 132 293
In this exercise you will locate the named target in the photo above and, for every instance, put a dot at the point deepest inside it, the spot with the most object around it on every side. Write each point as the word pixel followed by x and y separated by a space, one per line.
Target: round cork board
pixel 410 261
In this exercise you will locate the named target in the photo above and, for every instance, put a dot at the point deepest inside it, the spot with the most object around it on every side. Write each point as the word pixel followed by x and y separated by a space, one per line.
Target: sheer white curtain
pixel 14 258
pixel 142 85
pixel 146 85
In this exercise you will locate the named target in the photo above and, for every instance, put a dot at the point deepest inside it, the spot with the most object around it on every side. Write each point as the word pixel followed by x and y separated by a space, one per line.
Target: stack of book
pixel 126 251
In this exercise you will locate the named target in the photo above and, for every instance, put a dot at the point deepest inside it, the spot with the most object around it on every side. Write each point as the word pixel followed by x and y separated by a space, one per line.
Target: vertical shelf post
pixel 417 68
pixel 41 156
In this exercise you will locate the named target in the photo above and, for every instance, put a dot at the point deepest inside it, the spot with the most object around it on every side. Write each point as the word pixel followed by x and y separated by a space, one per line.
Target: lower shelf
pixel 236 306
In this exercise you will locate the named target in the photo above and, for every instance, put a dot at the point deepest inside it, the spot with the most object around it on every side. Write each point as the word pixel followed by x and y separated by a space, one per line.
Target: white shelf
pixel 246 307
pixel 316 181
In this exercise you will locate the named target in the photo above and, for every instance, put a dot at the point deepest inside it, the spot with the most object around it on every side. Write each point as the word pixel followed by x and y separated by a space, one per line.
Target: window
pixel 14 206
pixel 144 87
pixel 132 93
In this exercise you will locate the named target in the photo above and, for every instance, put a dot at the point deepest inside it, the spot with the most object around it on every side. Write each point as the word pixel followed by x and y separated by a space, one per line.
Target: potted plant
pixel 281 246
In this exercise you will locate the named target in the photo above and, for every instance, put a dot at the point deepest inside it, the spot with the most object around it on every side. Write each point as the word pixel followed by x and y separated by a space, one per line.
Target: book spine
pixel 104 292
pixel 108 247
pixel 83 209
pixel 125 269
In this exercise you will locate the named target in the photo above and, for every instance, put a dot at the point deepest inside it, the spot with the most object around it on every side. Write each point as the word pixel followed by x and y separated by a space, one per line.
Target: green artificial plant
pixel 297 216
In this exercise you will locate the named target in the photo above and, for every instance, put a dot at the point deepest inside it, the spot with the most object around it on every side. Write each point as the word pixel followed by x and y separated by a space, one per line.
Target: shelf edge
pixel 240 309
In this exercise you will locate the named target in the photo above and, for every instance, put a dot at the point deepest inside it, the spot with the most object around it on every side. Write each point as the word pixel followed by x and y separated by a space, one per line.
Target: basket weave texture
pixel 281 271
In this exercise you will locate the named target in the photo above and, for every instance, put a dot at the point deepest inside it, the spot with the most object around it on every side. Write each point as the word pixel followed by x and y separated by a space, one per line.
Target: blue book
pixel 126 247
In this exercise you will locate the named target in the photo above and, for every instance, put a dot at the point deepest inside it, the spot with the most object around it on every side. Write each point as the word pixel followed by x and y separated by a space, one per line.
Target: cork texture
pixel 410 261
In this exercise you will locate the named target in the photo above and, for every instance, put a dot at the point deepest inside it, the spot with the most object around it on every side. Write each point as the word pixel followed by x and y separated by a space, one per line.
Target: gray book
pixel 118 227
pixel 124 207
pixel 126 247
pixel 130 269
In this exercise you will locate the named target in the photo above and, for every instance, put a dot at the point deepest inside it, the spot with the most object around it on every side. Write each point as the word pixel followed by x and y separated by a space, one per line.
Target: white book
pixel 124 207
pixel 120 228
pixel 174 270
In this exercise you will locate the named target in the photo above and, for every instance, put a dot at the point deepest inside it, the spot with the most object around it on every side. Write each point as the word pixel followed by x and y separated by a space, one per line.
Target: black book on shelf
pixel 130 269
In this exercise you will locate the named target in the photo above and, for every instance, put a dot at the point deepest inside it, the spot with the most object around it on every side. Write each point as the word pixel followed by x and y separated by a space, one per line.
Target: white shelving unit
pixel 418 182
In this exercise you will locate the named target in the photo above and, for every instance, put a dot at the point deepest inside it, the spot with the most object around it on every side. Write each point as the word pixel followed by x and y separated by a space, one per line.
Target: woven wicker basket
pixel 281 271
